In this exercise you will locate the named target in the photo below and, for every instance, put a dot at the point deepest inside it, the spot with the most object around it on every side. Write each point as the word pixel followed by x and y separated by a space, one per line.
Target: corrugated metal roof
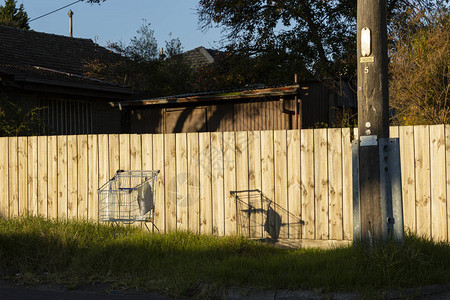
pixel 232 94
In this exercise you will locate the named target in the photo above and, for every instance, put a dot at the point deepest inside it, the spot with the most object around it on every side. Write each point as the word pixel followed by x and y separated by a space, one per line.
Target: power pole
pixel 373 113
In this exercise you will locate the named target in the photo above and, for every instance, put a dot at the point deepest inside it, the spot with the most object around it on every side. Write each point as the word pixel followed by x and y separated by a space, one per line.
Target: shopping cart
pixel 128 197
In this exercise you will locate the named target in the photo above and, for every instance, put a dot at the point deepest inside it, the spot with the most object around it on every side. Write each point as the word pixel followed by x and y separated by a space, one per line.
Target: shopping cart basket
pixel 128 197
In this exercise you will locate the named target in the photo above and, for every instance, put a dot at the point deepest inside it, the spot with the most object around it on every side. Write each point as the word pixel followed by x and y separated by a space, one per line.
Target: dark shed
pixel 256 108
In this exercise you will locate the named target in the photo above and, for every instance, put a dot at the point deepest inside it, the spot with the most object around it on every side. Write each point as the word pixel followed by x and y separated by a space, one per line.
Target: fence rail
pixel 279 184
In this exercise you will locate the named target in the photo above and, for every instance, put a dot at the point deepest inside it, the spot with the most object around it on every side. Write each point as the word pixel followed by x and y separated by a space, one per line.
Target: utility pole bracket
pixel 390 189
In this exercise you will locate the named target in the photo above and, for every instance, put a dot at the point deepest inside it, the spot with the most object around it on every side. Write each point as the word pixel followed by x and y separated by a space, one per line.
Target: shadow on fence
pixel 260 217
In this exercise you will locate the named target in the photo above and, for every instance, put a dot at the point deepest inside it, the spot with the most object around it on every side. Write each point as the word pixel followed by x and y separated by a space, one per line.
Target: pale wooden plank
pixel 158 164
pixel 22 160
pixel 32 175
pixel 423 184
pixel 13 171
pixel 229 182
pixel 42 178
pixel 113 154
pixel 335 184
pixel 438 186
pixel 103 159
pixel 52 158
pixel 171 182
pixel 103 164
pixel 62 178
pixel 124 152
pixel 4 179
pixel 447 161
pixel 244 214
pixel 193 186
pixel 293 184
pixel 147 151
pixel 135 152
pixel 135 156
pixel 321 179
pixel 205 183
pixel 72 177
pixel 254 183
pixel 407 161
pixel 394 131
pixel 268 184
pixel 217 183
pixel 347 183
pixel 182 181
pixel 83 176
pixel 93 176
pixel 281 195
pixel 307 183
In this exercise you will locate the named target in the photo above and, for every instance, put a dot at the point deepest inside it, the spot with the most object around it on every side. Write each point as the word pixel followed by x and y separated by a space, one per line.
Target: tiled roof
pixel 200 56
pixel 66 54
pixel 40 74
pixel 50 57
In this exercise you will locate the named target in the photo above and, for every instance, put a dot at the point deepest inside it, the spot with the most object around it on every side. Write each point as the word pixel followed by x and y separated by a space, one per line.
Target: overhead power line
pixel 49 13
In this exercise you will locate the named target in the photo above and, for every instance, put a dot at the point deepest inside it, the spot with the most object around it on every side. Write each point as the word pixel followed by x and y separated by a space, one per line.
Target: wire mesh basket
pixel 128 197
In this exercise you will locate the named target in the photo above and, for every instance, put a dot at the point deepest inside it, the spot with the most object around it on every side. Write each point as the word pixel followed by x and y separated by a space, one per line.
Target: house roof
pixel 200 56
pixel 40 75
pixel 52 58
pixel 227 95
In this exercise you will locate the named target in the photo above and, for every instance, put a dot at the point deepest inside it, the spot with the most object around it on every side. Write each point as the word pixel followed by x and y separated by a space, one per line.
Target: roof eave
pixel 111 89
pixel 225 96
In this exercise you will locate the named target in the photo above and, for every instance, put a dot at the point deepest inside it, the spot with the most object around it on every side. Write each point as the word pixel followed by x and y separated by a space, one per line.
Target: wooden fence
pixel 285 184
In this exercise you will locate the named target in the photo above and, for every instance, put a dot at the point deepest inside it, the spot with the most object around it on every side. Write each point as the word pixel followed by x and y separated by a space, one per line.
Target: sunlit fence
pixel 269 184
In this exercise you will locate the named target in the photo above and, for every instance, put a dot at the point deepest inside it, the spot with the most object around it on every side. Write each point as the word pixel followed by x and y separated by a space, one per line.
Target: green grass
pixel 181 263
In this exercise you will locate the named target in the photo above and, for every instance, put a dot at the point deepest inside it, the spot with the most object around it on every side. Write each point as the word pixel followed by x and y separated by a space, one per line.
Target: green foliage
pixel 420 74
pixel 181 263
pixel 142 48
pixel 236 68
pixel 12 16
pixel 313 32
pixel 144 68
pixel 318 35
pixel 14 121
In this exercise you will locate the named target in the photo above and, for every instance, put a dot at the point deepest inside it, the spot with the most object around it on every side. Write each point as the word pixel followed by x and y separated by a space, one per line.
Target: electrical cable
pixel 54 11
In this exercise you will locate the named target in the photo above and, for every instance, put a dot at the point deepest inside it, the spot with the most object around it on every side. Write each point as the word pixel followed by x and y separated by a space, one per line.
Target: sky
pixel 118 20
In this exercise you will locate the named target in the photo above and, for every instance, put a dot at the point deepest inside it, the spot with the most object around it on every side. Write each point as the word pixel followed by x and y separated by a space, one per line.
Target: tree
pixel 12 16
pixel 233 68
pixel 320 34
pixel 141 66
pixel 142 48
pixel 420 71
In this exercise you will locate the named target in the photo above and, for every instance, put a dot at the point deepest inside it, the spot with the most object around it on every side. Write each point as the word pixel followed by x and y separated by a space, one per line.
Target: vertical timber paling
pixel 193 180
pixel 310 198
pixel 182 181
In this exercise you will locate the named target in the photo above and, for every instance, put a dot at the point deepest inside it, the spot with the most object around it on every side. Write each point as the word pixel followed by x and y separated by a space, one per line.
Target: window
pixel 66 116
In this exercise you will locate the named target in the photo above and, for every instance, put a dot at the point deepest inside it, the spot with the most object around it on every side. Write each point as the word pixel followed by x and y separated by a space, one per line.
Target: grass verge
pixel 35 250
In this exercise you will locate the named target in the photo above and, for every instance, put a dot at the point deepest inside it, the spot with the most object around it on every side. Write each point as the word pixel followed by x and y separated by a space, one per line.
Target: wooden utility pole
pixel 373 111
